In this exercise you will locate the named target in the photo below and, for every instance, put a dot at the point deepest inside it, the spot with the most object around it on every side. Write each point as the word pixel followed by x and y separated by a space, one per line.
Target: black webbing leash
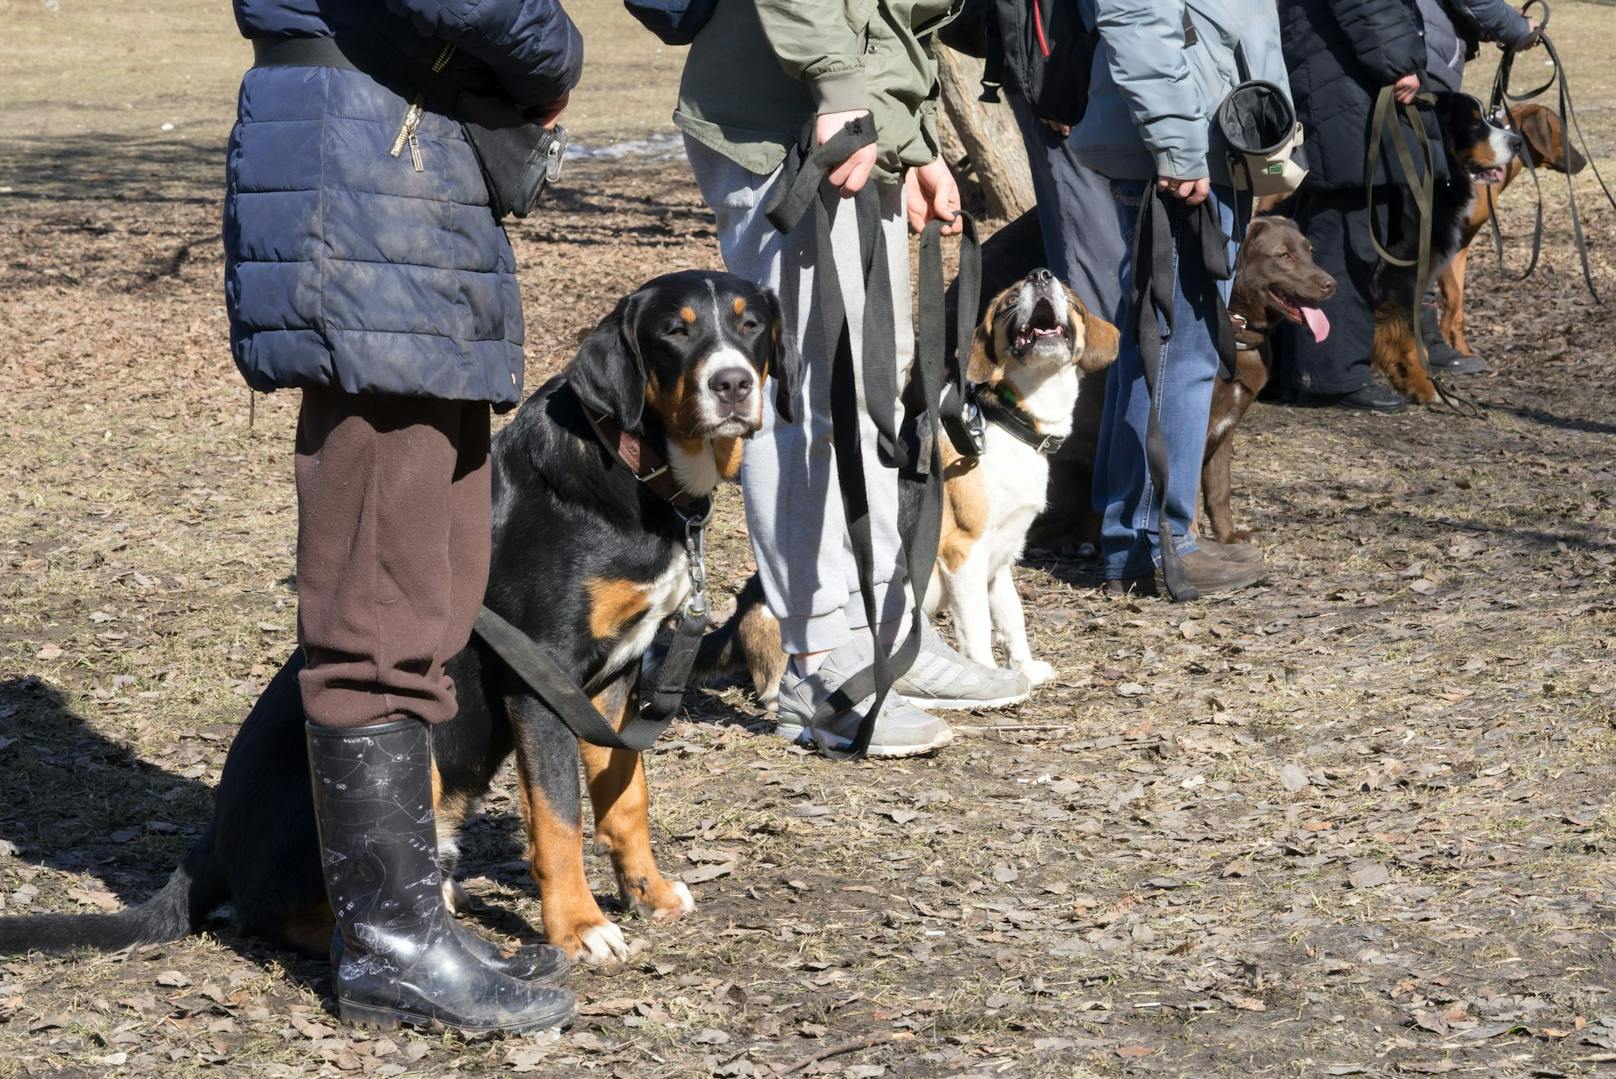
pixel 803 187
pixel 1498 103
pixel 1420 180
pixel 561 693
pixel 1154 283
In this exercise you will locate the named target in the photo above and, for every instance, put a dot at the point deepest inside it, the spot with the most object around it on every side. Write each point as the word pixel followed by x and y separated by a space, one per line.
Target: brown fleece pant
pixel 393 524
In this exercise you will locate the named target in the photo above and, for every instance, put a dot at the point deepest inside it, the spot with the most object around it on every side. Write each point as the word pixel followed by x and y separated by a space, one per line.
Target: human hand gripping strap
pixel 1154 282
pixel 803 186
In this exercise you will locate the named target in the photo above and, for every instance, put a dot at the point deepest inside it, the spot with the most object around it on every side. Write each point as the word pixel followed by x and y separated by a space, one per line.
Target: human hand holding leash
pixel 1405 88
pixel 930 193
pixel 851 175
pixel 1193 192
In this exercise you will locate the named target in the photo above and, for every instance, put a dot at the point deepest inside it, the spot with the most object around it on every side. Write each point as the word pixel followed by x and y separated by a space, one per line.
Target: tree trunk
pixel 988 135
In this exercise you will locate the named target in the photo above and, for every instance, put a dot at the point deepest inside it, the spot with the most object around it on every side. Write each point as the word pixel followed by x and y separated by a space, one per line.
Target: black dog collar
pixel 997 408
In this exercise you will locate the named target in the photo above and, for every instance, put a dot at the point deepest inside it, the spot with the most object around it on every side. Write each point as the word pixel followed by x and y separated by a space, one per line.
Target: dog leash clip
pixel 696 559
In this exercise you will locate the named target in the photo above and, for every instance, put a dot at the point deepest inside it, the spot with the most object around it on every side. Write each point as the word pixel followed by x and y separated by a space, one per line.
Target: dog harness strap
pixel 673 674
pixel 559 692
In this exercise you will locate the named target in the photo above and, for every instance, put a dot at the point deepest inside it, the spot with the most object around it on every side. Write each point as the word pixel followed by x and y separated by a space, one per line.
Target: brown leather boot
pixel 1207 572
pixel 1243 553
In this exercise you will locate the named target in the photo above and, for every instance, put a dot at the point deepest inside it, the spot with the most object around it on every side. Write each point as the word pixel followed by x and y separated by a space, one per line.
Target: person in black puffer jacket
pixel 1340 54
pixel 378 282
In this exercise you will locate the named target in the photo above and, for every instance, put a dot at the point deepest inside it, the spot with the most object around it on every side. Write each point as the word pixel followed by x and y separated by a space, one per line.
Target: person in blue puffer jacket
pixel 1161 69
pixel 378 282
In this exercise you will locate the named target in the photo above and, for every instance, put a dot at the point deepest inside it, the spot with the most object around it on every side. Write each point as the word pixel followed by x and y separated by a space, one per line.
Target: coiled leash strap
pixel 1421 183
pixel 1154 285
pixel 1498 107
pixel 802 188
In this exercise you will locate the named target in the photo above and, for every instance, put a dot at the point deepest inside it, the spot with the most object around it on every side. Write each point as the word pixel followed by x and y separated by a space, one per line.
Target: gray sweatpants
pixel 793 504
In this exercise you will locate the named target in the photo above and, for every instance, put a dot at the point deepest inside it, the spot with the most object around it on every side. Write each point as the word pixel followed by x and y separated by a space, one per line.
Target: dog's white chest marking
pixel 696 472
pixel 1017 482
pixel 663 596
pixel 1018 475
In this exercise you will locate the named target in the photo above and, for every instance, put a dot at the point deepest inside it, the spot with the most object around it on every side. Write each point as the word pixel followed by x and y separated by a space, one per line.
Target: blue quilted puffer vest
pixel 347 267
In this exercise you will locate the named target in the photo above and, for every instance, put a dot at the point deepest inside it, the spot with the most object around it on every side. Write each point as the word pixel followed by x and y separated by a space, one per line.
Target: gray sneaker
pixel 943 679
pixel 901 730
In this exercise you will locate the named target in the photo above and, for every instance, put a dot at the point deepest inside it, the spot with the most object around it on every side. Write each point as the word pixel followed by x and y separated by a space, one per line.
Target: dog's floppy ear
pixel 984 358
pixel 1543 132
pixel 1100 342
pixel 608 373
pixel 785 362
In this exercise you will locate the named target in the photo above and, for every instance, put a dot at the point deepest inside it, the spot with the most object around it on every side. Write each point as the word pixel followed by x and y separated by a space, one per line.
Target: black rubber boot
pixel 398 956
pixel 542 963
pixel 1443 357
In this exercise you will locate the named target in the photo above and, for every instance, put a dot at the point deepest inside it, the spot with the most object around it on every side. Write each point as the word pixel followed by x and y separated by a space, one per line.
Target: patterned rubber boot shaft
pixel 402 959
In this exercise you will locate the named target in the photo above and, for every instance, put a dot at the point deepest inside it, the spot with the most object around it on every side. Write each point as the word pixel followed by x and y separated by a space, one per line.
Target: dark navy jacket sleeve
pixel 1385 35
pixel 532 45
pixel 1494 20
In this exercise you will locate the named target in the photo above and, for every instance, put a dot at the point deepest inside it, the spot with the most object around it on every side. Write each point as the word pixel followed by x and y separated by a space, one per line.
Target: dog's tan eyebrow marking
pixel 688 314
pixel 740 304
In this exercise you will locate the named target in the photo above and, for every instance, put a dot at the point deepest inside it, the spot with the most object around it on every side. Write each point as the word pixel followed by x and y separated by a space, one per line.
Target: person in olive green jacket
pixel 758 73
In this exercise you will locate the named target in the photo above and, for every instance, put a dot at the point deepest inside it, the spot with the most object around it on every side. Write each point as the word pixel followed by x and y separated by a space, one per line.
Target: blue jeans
pixel 1123 494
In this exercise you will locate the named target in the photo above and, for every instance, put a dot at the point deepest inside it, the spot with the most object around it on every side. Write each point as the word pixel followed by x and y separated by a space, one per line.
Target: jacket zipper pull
pixel 413 114
pixel 406 131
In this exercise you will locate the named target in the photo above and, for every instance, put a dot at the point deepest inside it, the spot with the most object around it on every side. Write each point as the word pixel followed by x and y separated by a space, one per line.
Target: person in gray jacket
pixel 1161 69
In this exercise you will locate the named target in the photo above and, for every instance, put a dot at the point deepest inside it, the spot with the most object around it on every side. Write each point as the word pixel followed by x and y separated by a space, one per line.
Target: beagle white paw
pixel 1037 671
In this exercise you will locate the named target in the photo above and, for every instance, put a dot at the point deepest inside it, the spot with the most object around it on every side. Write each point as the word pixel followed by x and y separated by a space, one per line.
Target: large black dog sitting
pixel 589 560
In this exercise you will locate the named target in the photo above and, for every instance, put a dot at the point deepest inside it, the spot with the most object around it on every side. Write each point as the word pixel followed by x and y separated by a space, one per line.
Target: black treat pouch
pixel 518 156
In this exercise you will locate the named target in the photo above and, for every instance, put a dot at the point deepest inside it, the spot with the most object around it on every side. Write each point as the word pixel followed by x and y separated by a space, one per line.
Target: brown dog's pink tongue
pixel 1316 322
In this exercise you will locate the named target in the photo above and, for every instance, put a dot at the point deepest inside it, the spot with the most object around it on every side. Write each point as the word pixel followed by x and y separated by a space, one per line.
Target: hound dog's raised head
pixel 1277 271
pixel 1544 134
pixel 1034 329
pixel 1483 148
pixel 682 361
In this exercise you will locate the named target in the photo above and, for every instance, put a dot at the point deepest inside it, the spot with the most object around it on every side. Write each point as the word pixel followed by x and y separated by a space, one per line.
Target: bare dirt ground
pixel 1357 822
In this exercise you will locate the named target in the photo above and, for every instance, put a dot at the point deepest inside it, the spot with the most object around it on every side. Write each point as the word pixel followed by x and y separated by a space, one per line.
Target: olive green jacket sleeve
pixel 817 47
pixel 761 69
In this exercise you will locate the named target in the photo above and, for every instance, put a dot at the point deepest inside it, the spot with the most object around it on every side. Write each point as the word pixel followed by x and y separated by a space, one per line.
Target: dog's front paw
pixel 1037 671
pixel 601 944
pixel 659 899
pixel 1239 535
pixel 455 897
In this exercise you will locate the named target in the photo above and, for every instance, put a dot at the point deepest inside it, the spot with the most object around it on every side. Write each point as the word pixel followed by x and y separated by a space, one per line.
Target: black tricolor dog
pixel 1477 150
pixel 589 560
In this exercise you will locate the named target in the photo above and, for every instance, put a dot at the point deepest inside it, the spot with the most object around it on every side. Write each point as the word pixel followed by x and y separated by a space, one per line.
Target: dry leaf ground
pixel 1357 822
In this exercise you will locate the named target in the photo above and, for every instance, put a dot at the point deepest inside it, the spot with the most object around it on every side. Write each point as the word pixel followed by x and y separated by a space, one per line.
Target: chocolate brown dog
pixel 1275 280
